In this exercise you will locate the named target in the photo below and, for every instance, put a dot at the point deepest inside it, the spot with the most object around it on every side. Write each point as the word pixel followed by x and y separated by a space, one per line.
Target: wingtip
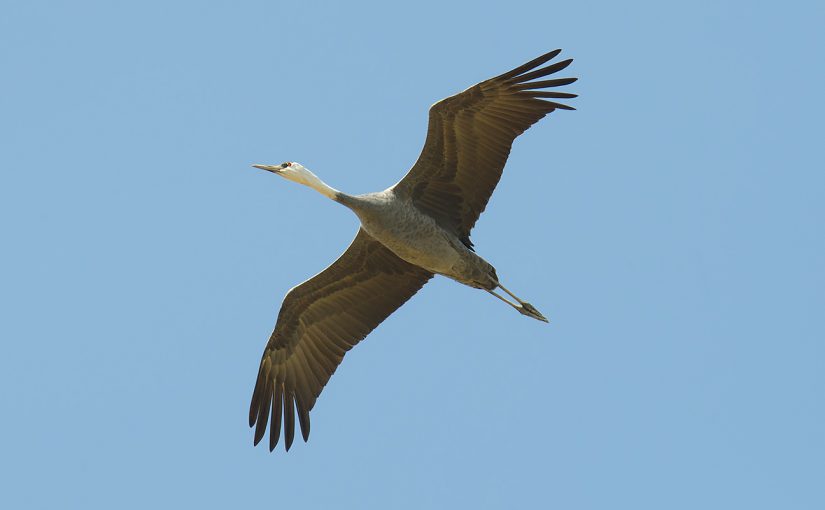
pixel 274 437
pixel 536 62
pixel 558 66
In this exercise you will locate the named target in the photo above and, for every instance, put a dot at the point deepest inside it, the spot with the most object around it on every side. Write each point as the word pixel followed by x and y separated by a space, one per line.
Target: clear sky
pixel 671 228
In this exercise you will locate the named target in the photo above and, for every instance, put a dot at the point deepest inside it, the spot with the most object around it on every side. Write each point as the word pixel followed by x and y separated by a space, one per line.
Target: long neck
pixel 312 180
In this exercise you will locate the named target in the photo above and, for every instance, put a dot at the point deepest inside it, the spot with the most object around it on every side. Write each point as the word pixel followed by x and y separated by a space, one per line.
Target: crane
pixel 409 232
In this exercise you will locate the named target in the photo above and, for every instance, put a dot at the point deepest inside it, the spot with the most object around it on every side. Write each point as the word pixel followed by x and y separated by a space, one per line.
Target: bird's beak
pixel 269 168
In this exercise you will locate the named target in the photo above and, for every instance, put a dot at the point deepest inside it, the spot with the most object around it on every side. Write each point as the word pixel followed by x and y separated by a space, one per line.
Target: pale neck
pixel 320 186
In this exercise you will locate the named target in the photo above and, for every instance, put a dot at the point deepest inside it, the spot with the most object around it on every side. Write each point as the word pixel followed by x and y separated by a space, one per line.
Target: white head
pixel 290 170
pixel 297 172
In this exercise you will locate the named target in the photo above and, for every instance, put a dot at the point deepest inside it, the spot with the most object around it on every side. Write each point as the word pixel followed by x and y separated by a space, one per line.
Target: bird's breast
pixel 415 238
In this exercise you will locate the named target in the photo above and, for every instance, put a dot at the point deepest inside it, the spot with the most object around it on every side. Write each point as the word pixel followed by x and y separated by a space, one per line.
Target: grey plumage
pixel 409 232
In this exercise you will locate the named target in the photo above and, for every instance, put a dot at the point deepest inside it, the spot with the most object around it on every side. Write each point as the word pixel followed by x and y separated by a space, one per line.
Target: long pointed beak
pixel 269 168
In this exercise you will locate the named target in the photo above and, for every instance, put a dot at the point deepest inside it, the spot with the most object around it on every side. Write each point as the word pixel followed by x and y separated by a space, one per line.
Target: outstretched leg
pixel 523 307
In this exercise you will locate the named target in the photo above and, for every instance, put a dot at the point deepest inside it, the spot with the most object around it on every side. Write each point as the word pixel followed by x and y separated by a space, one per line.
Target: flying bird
pixel 409 232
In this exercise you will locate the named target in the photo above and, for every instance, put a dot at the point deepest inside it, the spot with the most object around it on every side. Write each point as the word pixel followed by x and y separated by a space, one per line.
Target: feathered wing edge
pixel 320 320
pixel 469 137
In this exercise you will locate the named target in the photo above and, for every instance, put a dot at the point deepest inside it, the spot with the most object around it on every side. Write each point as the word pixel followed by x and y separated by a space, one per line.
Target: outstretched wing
pixel 320 320
pixel 469 138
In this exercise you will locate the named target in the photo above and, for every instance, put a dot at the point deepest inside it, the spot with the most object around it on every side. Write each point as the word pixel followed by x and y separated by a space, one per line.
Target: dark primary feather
pixel 320 320
pixel 469 138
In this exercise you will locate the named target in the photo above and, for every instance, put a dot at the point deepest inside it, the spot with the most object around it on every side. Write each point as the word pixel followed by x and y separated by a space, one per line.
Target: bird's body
pixel 416 238
pixel 409 232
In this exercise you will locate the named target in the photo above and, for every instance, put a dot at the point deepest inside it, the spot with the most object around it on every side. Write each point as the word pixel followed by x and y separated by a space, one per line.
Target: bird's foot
pixel 530 311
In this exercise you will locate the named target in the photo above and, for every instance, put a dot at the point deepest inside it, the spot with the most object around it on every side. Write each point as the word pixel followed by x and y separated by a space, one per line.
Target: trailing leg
pixel 523 307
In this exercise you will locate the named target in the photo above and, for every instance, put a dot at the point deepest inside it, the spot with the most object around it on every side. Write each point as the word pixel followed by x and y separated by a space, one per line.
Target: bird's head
pixel 297 172
pixel 290 170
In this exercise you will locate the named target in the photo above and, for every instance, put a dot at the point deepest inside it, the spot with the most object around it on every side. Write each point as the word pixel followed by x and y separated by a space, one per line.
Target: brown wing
pixel 469 138
pixel 320 320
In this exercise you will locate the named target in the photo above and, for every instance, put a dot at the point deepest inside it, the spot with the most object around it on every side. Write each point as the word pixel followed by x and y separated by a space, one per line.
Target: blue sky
pixel 671 229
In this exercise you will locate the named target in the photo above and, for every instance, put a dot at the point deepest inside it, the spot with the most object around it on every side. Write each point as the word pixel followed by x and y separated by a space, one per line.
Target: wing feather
pixel 469 137
pixel 277 412
pixel 289 418
pixel 320 320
